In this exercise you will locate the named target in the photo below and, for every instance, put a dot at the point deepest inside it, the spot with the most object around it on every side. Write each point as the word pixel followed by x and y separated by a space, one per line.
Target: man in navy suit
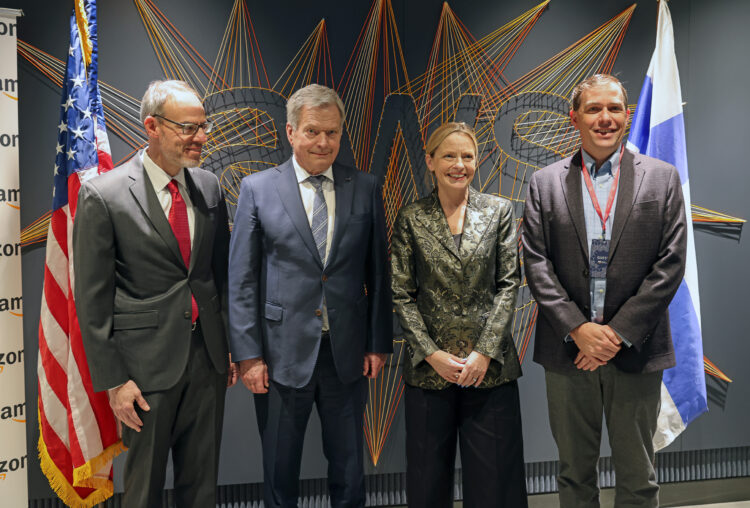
pixel 310 312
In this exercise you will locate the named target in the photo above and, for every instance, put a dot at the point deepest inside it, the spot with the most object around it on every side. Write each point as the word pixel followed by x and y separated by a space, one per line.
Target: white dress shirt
pixel 160 179
pixel 307 192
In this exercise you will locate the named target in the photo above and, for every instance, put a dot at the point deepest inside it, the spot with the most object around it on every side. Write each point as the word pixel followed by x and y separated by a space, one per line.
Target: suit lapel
pixel 475 225
pixel 631 177
pixel 288 189
pixel 434 221
pixel 344 195
pixel 200 213
pixel 143 192
pixel 571 185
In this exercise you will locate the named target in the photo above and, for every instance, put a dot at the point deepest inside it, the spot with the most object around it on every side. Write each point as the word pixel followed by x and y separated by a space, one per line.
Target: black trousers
pixel 188 419
pixel 283 414
pixel 487 423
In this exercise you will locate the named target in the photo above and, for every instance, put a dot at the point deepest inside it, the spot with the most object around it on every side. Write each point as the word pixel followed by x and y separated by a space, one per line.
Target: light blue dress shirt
pixel 602 181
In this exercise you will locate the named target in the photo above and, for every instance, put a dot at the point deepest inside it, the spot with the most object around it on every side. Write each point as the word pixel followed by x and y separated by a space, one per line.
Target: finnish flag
pixel 658 130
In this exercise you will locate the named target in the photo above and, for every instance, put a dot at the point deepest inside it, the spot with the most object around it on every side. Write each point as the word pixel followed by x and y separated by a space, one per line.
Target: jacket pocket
pixel 136 320
pixel 273 312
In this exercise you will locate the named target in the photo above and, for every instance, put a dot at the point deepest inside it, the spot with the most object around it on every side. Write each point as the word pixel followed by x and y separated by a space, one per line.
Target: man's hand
pixel 232 372
pixel 447 365
pixel 254 375
pixel 596 341
pixel 585 362
pixel 373 363
pixel 122 400
pixel 474 370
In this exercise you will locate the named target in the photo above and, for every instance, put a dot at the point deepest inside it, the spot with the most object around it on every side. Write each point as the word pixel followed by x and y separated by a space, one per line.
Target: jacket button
pixel 585 272
pixel 318 312
pixel 325 277
pixel 187 314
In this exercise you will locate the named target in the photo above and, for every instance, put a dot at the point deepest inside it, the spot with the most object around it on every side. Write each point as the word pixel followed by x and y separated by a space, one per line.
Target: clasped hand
pixel 597 345
pixel 464 372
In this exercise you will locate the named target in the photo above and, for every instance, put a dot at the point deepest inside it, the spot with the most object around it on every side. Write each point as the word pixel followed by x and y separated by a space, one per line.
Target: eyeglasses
pixel 188 128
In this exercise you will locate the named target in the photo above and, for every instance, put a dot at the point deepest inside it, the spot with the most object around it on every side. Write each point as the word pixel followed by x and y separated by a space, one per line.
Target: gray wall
pixel 711 42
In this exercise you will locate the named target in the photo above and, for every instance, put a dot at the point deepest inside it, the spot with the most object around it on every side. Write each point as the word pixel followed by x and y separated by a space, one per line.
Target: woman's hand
pixel 447 365
pixel 474 370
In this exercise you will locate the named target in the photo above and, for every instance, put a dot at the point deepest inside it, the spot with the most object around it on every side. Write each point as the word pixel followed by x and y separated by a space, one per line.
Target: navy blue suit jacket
pixel 277 280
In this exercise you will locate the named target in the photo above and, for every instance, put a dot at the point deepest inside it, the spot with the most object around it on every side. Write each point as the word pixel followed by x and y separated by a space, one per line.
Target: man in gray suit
pixel 604 239
pixel 151 244
pixel 310 300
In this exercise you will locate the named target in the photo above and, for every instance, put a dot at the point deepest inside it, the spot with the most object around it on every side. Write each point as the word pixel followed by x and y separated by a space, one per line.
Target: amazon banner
pixel 13 483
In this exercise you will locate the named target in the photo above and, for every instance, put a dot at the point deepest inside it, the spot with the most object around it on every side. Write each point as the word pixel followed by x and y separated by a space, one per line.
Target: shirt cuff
pixel 623 339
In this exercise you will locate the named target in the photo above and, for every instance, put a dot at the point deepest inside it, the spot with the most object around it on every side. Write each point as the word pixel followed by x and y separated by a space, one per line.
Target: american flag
pixel 78 432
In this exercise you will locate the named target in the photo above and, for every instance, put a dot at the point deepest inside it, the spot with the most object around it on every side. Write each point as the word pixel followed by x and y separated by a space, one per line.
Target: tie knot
pixel 317 181
pixel 173 188
pixel 606 168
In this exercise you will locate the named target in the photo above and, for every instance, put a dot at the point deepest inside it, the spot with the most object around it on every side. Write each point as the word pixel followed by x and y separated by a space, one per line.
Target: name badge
pixel 598 258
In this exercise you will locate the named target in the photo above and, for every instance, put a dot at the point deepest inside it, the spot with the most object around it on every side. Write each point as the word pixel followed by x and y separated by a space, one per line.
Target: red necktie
pixel 179 221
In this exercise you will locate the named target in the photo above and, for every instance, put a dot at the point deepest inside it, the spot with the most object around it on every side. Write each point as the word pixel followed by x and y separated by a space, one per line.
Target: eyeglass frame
pixel 207 126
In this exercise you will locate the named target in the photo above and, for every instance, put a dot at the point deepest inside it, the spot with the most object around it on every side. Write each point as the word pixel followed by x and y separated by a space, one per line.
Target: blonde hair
pixel 445 130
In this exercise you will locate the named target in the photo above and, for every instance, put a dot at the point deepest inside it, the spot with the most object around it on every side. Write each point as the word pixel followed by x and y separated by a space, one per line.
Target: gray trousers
pixel 188 419
pixel 630 403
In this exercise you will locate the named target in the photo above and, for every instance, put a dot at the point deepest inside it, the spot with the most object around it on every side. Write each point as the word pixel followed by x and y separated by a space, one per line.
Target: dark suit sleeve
pixel 378 280
pixel 553 300
pixel 245 261
pixel 94 266
pixel 638 315
pixel 220 255
pixel 498 325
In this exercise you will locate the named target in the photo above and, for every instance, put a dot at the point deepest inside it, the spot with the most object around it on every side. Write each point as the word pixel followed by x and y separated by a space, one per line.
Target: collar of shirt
pixel 303 175
pixel 590 163
pixel 160 178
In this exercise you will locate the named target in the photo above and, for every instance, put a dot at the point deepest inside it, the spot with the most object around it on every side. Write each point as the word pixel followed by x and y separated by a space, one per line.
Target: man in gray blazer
pixel 151 244
pixel 604 239
pixel 310 300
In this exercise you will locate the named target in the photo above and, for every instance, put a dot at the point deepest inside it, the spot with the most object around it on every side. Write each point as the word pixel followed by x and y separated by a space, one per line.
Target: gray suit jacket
pixel 132 288
pixel 646 260
pixel 277 280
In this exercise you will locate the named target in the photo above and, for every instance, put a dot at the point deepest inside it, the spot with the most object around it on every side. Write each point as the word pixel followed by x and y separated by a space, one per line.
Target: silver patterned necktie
pixel 319 224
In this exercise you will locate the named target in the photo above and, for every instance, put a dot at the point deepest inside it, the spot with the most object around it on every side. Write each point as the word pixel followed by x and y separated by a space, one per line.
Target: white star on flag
pixel 79 132
pixel 68 103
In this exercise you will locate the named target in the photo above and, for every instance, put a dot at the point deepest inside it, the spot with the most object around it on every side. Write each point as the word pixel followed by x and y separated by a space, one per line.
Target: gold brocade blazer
pixel 457 300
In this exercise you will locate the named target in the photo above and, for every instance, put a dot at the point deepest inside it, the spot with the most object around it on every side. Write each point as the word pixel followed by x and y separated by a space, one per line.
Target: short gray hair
pixel 312 96
pixel 159 92
pixel 592 82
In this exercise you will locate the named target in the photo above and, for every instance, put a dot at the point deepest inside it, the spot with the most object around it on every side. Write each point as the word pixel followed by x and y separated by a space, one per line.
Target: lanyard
pixel 592 193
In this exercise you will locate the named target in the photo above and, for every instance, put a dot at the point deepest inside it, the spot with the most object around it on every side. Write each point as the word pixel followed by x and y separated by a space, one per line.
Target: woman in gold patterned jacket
pixel 455 277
